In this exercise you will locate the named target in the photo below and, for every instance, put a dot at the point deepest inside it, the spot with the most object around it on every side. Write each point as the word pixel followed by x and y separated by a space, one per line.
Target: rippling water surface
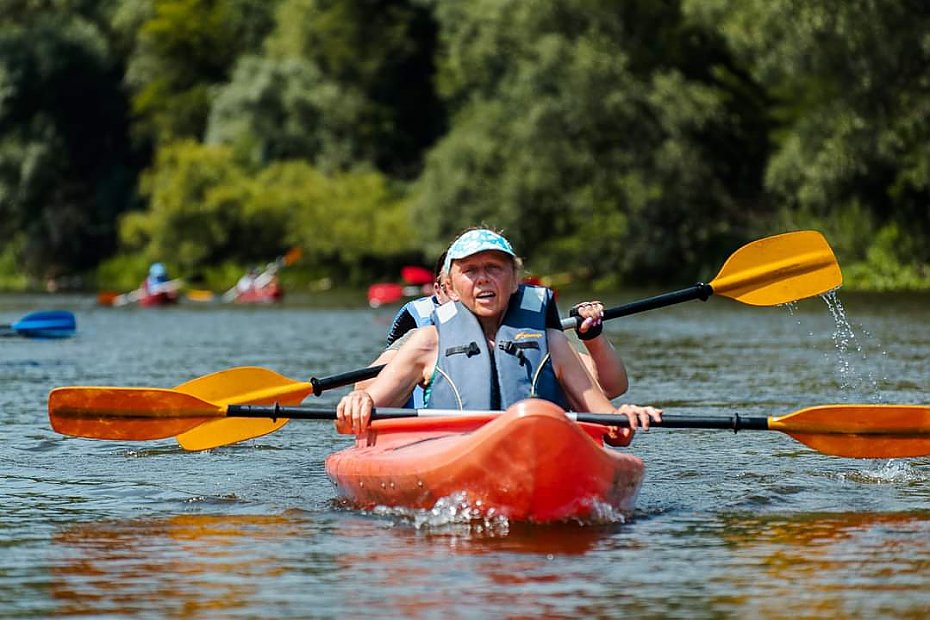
pixel 747 525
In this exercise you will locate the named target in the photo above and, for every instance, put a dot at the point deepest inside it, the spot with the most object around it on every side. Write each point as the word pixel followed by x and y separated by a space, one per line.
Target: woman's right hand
pixel 353 413
pixel 638 416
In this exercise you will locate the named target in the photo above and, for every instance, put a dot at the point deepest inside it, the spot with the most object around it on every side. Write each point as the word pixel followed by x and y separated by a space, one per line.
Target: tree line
pixel 626 141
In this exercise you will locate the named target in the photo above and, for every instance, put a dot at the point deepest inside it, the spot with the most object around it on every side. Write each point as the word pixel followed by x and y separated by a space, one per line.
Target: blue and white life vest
pixel 421 312
pixel 468 376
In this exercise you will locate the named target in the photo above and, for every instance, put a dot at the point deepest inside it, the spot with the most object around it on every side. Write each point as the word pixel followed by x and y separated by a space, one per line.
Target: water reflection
pixel 816 561
pixel 241 564
pixel 184 564
pixel 473 572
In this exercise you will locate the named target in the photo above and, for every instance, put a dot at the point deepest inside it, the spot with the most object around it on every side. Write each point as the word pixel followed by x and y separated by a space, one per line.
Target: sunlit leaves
pixel 207 206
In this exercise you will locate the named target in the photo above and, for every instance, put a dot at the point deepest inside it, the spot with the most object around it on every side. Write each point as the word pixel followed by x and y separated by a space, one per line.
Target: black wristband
pixel 592 333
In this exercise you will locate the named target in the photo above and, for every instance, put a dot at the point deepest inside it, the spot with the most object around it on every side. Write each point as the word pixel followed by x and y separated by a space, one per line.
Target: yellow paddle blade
pixel 779 269
pixel 861 431
pixel 247 385
pixel 200 295
pixel 126 413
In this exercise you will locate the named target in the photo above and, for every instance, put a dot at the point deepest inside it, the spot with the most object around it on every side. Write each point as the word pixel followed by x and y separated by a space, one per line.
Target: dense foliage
pixel 633 140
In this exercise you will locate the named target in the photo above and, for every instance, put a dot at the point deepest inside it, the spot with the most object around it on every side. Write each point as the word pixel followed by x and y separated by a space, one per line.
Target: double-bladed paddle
pixel 42 324
pixel 766 272
pixel 859 431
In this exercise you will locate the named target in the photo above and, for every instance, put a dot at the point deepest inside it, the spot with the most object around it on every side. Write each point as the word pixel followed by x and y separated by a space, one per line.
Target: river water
pixel 746 525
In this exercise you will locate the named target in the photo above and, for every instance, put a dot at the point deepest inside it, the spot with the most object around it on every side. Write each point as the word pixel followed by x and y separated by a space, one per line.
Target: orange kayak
pixel 533 463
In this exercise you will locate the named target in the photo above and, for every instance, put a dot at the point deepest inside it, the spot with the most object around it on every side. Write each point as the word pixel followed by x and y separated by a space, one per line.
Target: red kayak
pixel 163 298
pixel 261 295
pixel 532 463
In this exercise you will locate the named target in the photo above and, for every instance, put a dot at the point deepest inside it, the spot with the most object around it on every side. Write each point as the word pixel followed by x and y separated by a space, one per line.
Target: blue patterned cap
pixel 474 241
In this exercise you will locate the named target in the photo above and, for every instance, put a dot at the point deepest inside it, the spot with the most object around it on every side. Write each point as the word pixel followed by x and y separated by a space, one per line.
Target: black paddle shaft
pixel 308 412
pixel 698 291
pixel 322 412
pixel 735 422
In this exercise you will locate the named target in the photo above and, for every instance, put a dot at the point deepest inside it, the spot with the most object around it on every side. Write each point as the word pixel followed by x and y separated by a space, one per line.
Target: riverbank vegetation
pixel 633 142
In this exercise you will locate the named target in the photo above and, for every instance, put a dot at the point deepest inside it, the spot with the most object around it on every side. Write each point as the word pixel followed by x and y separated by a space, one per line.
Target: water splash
pixel 453 513
pixel 856 379
pixel 457 513
pixel 887 472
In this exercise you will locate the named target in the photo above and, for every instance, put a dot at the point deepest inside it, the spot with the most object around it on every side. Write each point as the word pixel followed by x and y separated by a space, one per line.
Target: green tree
pixel 379 55
pixel 183 50
pixel 275 110
pixel 850 94
pixel 595 133
pixel 66 168
pixel 208 207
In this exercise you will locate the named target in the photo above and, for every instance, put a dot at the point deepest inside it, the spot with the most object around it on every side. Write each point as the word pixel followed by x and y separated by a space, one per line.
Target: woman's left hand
pixel 591 314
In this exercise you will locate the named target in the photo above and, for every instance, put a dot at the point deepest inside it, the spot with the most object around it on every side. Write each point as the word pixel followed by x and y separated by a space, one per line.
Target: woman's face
pixel 484 282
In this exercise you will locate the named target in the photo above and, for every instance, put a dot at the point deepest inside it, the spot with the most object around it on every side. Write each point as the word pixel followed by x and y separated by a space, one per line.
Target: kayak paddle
pixel 42 324
pixel 249 384
pixel 855 430
pixel 770 271
pixel 766 272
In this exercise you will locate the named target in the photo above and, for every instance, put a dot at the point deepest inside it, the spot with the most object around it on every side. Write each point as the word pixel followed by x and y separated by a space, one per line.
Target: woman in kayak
pixel 600 358
pixel 498 343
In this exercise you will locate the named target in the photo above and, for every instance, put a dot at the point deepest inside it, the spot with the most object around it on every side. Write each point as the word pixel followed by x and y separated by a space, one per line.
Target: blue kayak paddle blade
pixel 46 324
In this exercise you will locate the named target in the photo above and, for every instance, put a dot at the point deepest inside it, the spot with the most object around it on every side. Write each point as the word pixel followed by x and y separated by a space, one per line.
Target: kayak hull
pixel 264 295
pixel 532 463
pixel 165 298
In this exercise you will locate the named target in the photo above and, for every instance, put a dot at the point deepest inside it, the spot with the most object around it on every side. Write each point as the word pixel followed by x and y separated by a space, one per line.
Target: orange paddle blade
pixel 779 269
pixel 247 385
pixel 106 298
pixel 126 413
pixel 860 431
pixel 292 256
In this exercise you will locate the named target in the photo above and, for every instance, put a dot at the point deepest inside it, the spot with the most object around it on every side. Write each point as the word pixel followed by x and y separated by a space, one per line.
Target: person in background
pixel 156 289
pixel 498 342
pixel 417 313
pixel 247 281
pixel 412 315
pixel 157 281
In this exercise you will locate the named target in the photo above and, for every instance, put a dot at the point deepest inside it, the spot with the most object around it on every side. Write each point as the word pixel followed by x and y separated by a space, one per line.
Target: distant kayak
pixel 260 295
pixel 532 463
pixel 167 293
pixel 42 324
pixel 162 298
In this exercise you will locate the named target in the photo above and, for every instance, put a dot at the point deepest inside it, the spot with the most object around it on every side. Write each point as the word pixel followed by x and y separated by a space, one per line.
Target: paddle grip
pixel 698 291
pixel 346 378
